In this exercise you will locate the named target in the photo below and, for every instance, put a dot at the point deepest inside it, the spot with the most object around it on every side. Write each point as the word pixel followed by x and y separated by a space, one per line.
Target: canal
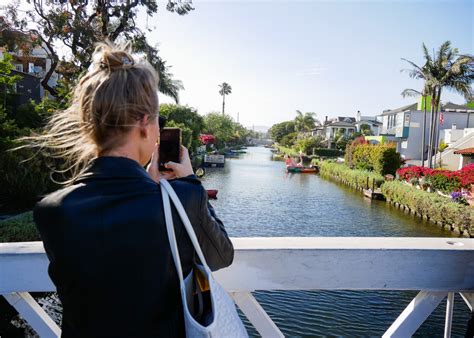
pixel 257 198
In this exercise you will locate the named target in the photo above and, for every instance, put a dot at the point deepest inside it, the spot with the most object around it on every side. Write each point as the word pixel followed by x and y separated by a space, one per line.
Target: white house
pixel 460 142
pixel 331 128
pixel 373 122
pixel 404 126
pixel 345 125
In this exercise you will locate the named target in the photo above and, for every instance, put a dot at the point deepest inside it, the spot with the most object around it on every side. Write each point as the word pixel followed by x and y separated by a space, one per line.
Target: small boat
pixel 214 161
pixel 212 194
pixel 238 151
pixel 303 170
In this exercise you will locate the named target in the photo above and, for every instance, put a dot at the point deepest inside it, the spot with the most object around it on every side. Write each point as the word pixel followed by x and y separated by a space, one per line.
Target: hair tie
pixel 126 63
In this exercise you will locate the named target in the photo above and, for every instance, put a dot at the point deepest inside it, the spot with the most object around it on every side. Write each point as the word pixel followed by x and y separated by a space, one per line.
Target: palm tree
pixel 224 89
pixel 305 122
pixel 456 73
pixel 446 69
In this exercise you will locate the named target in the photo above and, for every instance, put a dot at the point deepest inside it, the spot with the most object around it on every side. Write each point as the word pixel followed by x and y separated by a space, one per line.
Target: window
pixel 19 67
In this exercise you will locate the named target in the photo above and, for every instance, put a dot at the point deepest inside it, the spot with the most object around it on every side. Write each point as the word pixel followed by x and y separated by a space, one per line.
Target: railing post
pixel 256 315
pixel 34 314
pixel 415 314
pixel 449 315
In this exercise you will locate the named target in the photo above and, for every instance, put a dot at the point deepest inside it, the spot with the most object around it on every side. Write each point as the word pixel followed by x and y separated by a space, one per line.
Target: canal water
pixel 257 198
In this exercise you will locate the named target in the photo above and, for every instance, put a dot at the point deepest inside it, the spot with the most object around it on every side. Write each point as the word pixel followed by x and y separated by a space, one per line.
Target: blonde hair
pixel 116 92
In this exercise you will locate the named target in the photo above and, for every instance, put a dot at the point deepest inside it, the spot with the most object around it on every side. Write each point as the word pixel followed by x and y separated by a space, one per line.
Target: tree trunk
pixel 423 134
pixel 430 140
pixel 437 123
pixel 223 104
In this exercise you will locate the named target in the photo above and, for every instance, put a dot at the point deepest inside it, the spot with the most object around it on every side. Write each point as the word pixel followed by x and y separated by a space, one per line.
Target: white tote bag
pixel 222 318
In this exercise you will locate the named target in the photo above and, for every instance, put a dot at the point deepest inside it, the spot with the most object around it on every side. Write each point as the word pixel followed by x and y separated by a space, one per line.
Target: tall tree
pixel 305 122
pixel 447 69
pixel 75 26
pixel 221 126
pixel 224 89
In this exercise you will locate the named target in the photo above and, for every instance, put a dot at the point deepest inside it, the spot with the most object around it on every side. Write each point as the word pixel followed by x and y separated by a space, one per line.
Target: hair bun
pixel 114 60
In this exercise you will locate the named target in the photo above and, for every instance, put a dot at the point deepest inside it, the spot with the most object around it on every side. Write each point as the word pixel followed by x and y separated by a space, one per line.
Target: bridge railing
pixel 436 267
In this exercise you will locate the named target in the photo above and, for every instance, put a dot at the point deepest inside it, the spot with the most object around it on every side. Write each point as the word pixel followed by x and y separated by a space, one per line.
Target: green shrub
pixel 445 183
pixel 286 150
pixel 24 174
pixel 325 152
pixel 356 178
pixel 436 207
pixel 20 228
pixel 289 140
pixel 380 158
pixel 308 144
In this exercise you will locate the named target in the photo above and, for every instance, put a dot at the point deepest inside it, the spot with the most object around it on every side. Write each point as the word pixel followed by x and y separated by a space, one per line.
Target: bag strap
pixel 171 234
pixel 184 218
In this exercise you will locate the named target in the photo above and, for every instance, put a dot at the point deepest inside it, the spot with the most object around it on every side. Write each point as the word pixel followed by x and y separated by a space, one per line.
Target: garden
pixel 457 185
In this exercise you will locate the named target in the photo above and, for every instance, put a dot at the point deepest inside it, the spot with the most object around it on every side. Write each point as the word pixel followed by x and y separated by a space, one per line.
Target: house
pixel 459 141
pixel 340 125
pixel 346 126
pixel 467 156
pixel 28 58
pixel 404 126
pixel 27 88
pixel 372 121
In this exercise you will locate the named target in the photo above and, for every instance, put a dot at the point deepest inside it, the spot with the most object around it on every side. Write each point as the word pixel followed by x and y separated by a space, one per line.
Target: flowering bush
pixel 437 208
pixel 459 197
pixel 445 181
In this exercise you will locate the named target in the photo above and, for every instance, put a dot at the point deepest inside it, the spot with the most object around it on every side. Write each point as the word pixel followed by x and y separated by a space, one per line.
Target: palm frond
pixel 411 93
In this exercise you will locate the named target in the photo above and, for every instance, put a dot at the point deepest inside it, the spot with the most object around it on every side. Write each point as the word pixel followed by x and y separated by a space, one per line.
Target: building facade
pixel 404 126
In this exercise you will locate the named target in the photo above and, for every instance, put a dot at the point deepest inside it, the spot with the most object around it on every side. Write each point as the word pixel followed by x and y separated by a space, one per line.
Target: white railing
pixel 437 267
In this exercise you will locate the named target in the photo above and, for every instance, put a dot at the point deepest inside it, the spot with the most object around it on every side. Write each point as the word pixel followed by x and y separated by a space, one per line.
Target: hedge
pixel 20 228
pixel 353 177
pixel 434 206
pixel 325 152
pixel 382 159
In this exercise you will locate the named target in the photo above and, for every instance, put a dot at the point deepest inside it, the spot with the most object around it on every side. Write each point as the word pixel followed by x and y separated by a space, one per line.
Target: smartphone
pixel 170 147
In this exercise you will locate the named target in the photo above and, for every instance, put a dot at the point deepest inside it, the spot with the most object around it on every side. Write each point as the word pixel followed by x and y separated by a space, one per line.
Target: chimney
pixel 326 121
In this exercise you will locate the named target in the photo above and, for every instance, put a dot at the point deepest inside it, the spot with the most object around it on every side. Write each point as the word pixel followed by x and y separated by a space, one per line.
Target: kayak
pixel 302 170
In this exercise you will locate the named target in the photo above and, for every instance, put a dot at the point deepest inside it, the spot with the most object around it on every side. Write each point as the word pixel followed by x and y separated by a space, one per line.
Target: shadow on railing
pixel 437 267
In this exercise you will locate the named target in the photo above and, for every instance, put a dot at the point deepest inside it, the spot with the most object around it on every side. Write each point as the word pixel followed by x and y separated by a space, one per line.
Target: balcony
pixel 436 267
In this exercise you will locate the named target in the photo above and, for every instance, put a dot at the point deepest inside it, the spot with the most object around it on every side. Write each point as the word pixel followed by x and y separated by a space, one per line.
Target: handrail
pixel 437 266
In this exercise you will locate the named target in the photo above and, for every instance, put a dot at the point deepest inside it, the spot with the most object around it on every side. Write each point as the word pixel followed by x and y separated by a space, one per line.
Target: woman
pixel 105 233
pixel 289 162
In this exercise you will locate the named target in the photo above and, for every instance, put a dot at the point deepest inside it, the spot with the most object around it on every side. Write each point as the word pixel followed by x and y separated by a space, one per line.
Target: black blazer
pixel 110 259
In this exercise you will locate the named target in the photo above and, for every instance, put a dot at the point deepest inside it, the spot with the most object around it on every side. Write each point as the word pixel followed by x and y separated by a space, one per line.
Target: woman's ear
pixel 143 126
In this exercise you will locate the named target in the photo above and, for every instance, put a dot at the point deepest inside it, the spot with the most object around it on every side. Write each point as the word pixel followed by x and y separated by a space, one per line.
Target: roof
pixel 340 124
pixel 467 151
pixel 369 121
pixel 447 107
pixel 346 119
pixel 409 107
pixel 457 108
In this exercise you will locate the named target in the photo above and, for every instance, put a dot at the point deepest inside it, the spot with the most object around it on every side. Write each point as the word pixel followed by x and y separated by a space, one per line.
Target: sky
pixel 328 57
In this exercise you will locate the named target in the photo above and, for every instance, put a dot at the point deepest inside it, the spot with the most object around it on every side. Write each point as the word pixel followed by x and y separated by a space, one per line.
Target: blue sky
pixel 328 57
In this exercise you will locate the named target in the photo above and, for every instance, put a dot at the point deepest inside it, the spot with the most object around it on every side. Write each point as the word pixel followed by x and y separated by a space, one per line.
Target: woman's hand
pixel 153 169
pixel 184 168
